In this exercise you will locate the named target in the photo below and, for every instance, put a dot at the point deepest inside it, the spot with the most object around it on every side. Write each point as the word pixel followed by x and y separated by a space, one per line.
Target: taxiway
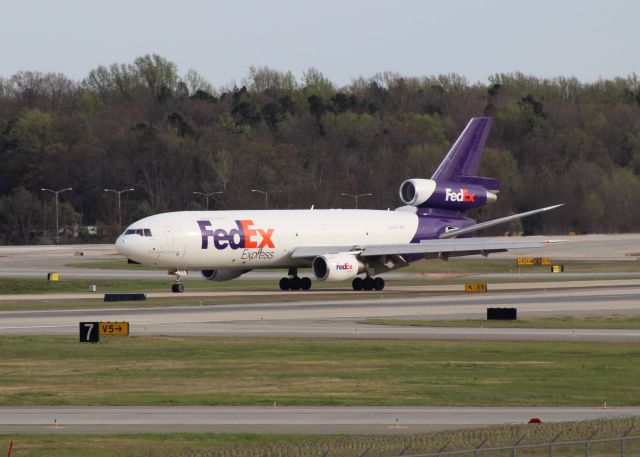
pixel 369 420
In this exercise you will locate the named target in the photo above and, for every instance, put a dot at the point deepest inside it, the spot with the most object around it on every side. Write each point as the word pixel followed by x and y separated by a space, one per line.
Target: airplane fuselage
pixel 266 239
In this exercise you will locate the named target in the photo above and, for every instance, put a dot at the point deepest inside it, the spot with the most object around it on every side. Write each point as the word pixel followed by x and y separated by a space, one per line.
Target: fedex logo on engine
pixel 463 196
pixel 243 236
pixel 344 266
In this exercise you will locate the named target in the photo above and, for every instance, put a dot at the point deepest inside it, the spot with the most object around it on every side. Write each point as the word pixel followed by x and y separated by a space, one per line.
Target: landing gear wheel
pixel 367 283
pixel 378 283
pixel 356 283
pixel 305 283
pixel 295 283
pixel 285 284
pixel 177 288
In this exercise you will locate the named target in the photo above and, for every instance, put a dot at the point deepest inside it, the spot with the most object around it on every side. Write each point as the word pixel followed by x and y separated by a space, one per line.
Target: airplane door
pixel 168 235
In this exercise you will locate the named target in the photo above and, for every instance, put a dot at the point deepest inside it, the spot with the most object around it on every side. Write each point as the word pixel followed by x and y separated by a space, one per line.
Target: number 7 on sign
pixel 89 330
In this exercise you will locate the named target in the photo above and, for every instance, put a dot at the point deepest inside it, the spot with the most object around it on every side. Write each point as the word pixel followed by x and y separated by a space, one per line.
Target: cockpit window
pixel 141 232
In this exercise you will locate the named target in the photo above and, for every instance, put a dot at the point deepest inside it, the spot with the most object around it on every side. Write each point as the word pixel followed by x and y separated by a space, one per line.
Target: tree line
pixel 304 141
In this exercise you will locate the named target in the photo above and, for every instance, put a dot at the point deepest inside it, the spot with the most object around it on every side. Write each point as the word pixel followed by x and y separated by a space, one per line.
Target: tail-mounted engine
pixel 427 193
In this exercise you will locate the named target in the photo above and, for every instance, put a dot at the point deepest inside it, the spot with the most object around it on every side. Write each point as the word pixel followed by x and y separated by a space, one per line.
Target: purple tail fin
pixel 461 163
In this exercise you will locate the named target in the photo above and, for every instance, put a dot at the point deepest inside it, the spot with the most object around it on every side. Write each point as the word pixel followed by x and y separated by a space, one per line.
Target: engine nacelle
pixel 222 275
pixel 414 192
pixel 337 267
pixel 426 193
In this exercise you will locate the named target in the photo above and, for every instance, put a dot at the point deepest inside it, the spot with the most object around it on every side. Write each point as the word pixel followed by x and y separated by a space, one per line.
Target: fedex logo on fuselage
pixel 463 196
pixel 344 266
pixel 243 236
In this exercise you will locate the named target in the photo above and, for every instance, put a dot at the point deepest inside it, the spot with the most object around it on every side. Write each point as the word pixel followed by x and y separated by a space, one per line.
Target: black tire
pixel 367 283
pixel 356 283
pixel 177 288
pixel 174 288
pixel 378 283
pixel 285 284
pixel 295 283
pixel 305 283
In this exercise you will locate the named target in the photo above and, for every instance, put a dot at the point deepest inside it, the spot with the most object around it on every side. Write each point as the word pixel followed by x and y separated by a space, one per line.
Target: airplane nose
pixel 121 246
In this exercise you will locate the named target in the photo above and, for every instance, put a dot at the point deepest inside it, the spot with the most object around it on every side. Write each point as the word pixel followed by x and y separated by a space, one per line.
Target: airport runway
pixel 339 318
pixel 369 420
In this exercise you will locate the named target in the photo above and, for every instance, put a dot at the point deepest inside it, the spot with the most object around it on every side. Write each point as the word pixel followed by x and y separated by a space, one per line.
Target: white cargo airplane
pixel 337 244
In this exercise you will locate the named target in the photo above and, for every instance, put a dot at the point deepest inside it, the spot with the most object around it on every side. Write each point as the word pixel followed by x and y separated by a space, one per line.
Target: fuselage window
pixel 147 232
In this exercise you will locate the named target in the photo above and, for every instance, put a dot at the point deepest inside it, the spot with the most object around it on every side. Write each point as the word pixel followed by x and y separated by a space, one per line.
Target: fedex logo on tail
pixel 463 196
pixel 243 236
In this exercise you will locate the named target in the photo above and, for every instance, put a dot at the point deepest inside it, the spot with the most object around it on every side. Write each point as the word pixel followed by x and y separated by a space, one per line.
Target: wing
pixel 447 245
pixel 428 248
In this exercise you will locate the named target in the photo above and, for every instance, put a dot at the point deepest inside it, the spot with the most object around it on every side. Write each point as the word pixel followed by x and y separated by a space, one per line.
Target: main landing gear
pixel 294 282
pixel 367 283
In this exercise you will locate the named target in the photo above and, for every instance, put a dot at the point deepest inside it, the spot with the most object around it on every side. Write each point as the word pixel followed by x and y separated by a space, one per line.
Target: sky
pixel 343 39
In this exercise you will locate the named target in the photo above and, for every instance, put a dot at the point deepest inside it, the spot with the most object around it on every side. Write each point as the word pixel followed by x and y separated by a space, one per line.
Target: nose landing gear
pixel 177 287
pixel 367 283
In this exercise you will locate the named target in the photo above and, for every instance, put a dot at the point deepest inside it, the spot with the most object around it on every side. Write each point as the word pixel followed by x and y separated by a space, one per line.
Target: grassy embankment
pixel 259 371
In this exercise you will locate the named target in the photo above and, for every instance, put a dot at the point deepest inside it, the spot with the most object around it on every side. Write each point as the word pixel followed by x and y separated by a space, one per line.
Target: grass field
pixel 237 445
pixel 259 371
pixel 41 285
pixel 568 322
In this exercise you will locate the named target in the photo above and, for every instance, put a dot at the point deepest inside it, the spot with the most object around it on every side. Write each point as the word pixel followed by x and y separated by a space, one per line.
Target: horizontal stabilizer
pixel 483 225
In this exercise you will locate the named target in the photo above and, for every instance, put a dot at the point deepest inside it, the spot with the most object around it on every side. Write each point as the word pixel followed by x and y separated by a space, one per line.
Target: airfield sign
pixel 475 287
pixel 114 328
pixel 89 332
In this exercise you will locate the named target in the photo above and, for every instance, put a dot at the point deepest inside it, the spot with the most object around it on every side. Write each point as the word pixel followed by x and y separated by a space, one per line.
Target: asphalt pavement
pixel 369 420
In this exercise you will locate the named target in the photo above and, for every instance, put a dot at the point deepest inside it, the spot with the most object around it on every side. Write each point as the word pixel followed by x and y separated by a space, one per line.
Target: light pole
pixel 266 197
pixel 207 195
pixel 357 196
pixel 56 192
pixel 119 192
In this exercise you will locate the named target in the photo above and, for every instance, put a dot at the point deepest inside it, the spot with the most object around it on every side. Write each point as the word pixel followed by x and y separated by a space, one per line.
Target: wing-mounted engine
pixel 337 267
pixel 222 275
pixel 427 193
